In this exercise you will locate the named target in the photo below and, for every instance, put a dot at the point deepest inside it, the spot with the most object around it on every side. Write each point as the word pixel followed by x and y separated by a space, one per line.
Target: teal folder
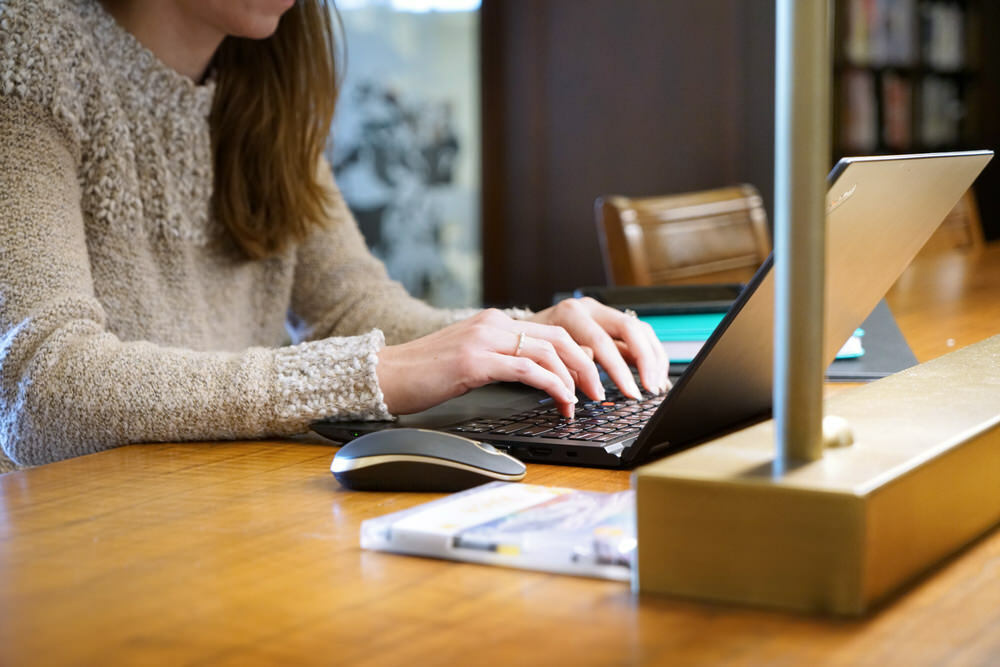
pixel 686 326
pixel 690 330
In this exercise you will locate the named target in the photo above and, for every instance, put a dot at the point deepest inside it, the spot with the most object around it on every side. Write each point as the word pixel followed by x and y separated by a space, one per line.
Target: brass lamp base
pixel 922 479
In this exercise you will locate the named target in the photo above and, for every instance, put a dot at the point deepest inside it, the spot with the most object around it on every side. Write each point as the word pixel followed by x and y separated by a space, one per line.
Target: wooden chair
pixel 709 236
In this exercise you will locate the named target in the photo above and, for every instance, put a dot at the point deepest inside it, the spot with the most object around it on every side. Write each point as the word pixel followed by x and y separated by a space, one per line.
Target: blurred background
pixel 472 138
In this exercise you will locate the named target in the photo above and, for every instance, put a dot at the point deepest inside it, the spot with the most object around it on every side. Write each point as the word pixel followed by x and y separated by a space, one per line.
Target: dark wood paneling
pixel 988 184
pixel 492 28
pixel 756 141
pixel 588 97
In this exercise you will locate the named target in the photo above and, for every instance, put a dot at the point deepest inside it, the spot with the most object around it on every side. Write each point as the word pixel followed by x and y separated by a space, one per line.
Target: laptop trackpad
pixel 495 400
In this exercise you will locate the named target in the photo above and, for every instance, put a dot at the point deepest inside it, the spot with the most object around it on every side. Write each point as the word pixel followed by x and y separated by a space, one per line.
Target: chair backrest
pixel 697 237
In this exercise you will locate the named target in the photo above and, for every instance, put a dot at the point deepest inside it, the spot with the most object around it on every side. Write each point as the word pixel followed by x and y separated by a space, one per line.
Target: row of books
pixel 878 111
pixel 905 32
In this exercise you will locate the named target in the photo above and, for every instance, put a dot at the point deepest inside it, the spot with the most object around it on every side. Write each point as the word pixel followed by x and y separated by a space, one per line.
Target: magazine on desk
pixel 553 529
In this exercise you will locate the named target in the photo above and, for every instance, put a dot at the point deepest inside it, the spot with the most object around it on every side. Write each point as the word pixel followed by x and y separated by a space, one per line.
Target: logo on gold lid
pixel 841 199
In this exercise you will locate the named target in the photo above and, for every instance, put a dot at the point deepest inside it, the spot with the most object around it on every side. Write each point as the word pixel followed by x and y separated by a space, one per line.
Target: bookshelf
pixel 906 76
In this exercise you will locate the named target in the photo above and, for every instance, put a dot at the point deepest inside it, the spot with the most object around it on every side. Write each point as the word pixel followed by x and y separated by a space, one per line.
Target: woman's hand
pixel 488 347
pixel 552 351
pixel 616 340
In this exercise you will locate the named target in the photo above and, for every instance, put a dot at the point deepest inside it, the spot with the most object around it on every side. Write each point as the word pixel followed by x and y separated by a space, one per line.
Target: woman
pixel 165 213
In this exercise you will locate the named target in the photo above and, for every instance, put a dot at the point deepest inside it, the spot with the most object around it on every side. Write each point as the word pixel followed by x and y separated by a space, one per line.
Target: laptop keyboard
pixel 613 419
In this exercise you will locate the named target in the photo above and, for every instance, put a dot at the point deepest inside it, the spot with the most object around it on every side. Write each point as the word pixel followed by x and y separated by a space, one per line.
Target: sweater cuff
pixel 330 378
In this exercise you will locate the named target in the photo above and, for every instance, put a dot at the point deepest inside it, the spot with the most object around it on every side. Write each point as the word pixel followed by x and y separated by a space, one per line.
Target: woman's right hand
pixel 488 347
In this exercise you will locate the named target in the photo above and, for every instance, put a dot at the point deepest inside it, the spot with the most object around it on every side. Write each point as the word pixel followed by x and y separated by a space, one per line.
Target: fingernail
pixel 602 395
pixel 635 390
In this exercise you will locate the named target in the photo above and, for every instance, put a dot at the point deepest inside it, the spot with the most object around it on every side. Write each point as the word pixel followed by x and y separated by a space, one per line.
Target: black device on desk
pixel 885 350
pixel 667 299
pixel 880 211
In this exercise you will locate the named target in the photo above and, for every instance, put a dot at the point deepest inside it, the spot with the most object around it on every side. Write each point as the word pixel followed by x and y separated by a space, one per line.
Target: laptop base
pixel 520 421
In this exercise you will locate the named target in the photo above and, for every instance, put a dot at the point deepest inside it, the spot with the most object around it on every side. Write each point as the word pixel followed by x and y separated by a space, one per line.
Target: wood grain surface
pixel 247 553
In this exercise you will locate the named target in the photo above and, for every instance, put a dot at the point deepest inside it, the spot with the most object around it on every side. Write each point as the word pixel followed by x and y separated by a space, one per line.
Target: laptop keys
pixel 618 417
pixel 537 429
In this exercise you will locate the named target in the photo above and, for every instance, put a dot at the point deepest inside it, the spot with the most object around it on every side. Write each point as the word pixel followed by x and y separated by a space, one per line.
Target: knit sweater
pixel 127 312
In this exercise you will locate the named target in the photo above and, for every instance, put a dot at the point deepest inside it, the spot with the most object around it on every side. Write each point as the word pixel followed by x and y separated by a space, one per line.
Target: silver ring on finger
pixel 631 313
pixel 520 343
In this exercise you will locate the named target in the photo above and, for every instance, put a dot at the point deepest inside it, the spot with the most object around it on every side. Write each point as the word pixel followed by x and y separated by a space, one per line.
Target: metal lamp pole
pixel 802 159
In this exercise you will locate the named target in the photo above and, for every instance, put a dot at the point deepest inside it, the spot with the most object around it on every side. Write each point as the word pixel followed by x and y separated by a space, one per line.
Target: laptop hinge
pixel 615 449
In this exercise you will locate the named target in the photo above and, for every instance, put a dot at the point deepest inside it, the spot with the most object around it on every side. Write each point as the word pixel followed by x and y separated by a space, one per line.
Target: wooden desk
pixel 247 553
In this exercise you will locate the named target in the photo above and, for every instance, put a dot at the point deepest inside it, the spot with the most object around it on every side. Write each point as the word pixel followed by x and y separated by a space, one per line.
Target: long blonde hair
pixel 273 107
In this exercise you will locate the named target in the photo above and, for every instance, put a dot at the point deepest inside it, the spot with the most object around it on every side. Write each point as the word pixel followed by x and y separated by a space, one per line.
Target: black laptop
pixel 880 211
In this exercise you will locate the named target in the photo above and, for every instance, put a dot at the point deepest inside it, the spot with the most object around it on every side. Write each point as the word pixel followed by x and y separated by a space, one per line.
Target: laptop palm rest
pixel 495 400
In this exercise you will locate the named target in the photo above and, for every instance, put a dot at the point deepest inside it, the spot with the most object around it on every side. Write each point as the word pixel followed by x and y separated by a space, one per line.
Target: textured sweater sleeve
pixel 70 387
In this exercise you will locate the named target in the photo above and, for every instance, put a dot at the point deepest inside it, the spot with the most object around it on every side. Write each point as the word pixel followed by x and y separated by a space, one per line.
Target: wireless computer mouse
pixel 416 459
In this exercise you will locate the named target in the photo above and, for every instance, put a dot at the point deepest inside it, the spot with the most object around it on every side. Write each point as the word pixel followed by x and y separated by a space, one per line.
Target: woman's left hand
pixel 616 339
